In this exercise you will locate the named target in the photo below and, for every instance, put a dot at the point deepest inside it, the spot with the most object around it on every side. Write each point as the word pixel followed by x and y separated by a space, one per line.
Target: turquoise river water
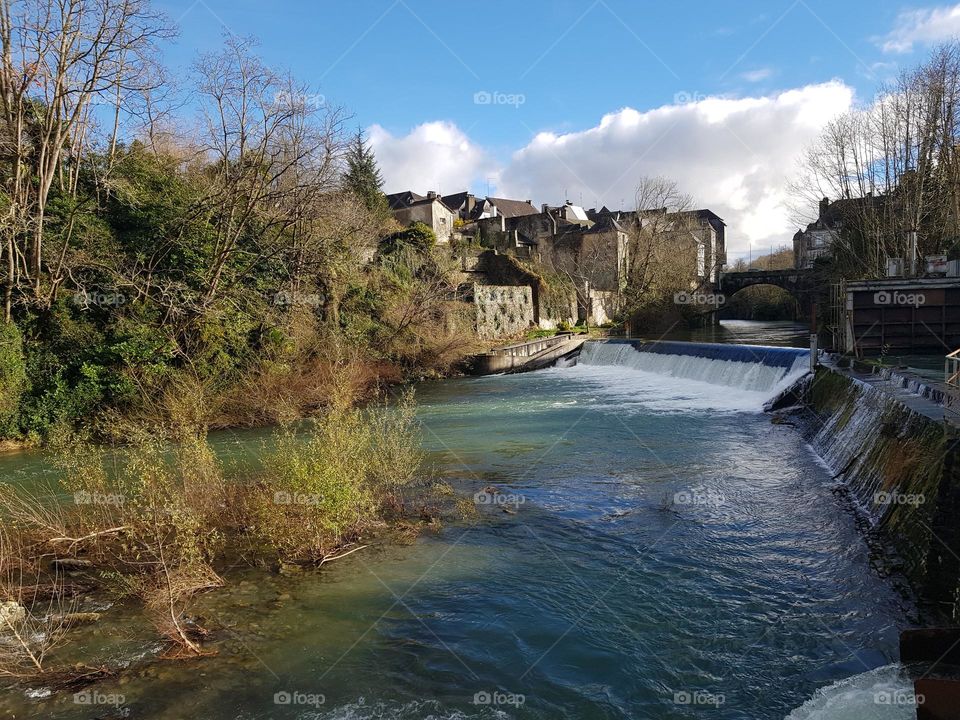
pixel 651 547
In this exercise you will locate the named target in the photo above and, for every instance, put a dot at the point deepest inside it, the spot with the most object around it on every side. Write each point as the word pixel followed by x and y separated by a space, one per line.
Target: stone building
pixel 408 207
pixel 819 237
pixel 707 230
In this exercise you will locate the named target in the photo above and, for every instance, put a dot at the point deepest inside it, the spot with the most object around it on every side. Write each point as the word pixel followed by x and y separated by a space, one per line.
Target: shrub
pixel 323 491
pixel 13 374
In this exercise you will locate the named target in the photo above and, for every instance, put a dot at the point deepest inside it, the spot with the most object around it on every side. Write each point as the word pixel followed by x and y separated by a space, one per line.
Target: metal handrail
pixel 531 347
pixel 951 376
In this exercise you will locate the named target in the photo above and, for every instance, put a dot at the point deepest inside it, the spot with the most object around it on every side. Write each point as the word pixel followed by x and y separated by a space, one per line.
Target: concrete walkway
pixel 526 356
pixel 917 392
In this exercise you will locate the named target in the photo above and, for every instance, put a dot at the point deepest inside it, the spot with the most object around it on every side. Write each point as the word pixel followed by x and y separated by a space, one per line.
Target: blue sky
pixel 667 75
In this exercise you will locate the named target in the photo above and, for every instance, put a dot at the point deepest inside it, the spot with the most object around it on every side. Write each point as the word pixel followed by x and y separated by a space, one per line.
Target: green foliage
pixel 13 373
pixel 140 241
pixel 363 177
pixel 323 490
pixel 418 237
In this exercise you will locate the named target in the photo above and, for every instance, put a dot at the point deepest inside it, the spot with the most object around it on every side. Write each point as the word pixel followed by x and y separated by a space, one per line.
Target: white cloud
pixel 433 156
pixel 923 26
pixel 757 75
pixel 735 156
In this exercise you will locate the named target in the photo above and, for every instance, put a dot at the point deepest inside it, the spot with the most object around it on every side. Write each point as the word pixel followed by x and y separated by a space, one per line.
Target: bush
pixel 13 375
pixel 322 492
pixel 418 236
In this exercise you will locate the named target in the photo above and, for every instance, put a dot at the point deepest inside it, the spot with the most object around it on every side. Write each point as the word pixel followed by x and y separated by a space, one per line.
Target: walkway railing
pixel 951 372
pixel 531 347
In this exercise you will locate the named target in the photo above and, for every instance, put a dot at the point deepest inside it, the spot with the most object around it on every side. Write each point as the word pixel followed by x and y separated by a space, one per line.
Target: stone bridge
pixel 801 284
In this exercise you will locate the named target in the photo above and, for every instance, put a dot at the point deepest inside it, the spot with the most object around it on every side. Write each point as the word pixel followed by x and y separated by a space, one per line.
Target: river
pixel 646 545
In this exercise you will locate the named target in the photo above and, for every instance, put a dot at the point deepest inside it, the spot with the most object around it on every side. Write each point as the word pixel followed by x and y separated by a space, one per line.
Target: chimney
pixel 470 204
pixel 545 208
pixel 824 204
pixel 431 195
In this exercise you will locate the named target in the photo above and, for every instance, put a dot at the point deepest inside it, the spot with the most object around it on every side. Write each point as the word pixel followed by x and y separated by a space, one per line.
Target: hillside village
pixel 508 247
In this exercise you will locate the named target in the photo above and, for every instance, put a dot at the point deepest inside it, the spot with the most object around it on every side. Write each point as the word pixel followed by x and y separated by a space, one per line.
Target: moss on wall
pixel 893 461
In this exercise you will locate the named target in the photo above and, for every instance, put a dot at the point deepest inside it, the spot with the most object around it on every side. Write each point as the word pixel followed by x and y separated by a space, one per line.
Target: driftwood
pixel 331 558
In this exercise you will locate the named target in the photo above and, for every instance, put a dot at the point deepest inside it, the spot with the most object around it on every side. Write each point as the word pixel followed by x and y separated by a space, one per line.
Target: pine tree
pixel 363 177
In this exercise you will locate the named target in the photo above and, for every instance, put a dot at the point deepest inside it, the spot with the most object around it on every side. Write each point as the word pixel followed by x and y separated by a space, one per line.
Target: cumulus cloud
pixel 433 156
pixel 735 156
pixel 923 26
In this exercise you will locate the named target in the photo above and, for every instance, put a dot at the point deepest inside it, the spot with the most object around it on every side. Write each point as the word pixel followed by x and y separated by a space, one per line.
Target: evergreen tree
pixel 363 177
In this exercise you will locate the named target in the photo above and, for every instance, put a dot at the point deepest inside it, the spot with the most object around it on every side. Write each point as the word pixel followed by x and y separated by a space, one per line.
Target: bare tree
pixel 894 165
pixel 59 59
pixel 275 149
pixel 664 243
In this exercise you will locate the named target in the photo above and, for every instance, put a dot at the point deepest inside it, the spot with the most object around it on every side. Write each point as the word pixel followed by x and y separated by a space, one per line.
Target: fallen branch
pixel 331 558
pixel 99 533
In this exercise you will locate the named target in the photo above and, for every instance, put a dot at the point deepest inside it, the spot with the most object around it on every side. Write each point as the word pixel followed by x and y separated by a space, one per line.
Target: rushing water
pixel 654 548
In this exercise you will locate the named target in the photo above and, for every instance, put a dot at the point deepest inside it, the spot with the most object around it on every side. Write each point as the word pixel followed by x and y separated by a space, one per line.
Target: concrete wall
pixel 901 466
pixel 551 305
pixel 503 310
pixel 603 307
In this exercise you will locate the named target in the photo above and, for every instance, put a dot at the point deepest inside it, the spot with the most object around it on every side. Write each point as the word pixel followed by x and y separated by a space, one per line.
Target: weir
pixel 753 368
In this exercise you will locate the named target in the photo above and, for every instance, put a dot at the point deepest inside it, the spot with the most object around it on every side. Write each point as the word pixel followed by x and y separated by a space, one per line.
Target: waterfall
pixel 751 368
pixel 890 458
pixel 881 694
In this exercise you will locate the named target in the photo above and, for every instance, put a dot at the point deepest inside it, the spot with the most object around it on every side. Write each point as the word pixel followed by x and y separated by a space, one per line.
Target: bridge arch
pixel 750 303
pixel 799 283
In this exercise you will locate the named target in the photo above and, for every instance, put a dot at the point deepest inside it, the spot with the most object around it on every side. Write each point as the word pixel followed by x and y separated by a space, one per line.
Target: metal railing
pixel 951 377
pixel 531 347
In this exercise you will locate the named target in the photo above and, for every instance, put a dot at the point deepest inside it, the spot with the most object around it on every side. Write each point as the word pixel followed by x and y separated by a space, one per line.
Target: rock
pixel 283 597
pixel 11 612
pixel 289 569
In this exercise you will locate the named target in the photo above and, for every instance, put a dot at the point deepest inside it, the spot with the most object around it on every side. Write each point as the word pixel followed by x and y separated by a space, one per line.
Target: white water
pixel 628 380
pixel 750 376
pixel 881 694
